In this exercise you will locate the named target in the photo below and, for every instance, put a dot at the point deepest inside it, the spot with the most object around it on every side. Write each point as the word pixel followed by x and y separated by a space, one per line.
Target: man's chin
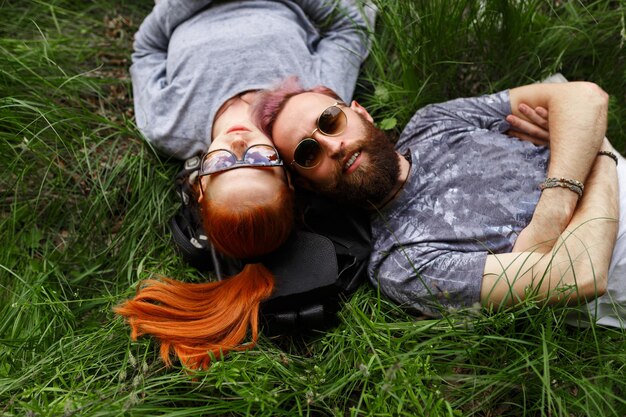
pixel 365 186
pixel 376 176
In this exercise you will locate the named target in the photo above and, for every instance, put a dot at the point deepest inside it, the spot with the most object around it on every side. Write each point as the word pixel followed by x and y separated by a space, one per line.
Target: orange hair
pixel 195 321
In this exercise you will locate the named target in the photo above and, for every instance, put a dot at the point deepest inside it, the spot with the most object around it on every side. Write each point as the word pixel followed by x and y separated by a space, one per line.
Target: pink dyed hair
pixel 271 102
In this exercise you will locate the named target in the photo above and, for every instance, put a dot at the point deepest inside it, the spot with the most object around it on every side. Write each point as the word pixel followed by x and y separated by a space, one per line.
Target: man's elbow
pixel 591 282
pixel 593 95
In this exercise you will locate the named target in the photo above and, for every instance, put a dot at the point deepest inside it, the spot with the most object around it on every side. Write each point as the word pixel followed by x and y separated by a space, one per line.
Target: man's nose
pixel 333 146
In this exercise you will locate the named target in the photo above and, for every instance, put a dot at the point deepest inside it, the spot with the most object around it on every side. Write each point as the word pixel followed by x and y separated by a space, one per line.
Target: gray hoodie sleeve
pixel 345 27
pixel 148 71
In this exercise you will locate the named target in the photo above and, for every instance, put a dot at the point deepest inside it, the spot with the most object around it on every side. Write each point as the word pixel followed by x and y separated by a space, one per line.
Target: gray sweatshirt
pixel 190 56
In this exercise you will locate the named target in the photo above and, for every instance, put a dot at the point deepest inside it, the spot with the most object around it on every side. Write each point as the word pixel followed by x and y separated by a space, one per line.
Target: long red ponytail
pixel 195 321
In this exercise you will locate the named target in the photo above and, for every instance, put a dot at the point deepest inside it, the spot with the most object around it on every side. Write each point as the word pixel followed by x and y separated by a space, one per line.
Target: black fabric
pixel 322 262
pixel 311 264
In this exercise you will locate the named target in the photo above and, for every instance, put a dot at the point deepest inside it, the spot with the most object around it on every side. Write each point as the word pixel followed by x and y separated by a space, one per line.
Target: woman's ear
pixel 356 107
pixel 201 190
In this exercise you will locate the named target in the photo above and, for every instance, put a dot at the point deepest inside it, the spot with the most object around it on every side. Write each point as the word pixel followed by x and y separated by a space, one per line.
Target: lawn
pixel 85 203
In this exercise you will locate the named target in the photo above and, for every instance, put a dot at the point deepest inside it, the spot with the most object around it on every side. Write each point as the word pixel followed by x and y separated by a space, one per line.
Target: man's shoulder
pixel 480 112
pixel 482 104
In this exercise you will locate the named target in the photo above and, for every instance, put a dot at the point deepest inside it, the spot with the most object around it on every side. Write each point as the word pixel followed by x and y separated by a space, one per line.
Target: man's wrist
pixel 609 154
pixel 556 207
pixel 574 186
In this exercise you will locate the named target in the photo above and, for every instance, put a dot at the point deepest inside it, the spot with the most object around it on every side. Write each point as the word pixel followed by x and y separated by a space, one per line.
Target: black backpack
pixel 322 262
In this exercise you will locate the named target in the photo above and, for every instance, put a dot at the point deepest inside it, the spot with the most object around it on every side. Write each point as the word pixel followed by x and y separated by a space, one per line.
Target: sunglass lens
pixel 308 153
pixel 261 155
pixel 332 121
pixel 217 161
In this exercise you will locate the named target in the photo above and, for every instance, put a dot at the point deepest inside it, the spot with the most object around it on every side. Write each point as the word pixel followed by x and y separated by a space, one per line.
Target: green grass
pixel 84 204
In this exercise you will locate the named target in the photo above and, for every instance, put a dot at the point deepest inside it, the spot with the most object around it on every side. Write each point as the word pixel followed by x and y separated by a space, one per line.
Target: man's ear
pixel 356 107
pixel 290 180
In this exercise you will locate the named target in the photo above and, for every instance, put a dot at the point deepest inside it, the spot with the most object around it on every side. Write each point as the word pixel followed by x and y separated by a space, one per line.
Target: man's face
pixel 356 166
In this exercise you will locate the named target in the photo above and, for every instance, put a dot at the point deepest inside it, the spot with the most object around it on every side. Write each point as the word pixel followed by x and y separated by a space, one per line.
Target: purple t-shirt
pixel 470 191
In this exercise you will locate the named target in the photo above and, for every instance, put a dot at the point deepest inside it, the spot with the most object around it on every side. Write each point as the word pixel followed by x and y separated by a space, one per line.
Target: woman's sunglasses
pixel 332 122
pixel 221 160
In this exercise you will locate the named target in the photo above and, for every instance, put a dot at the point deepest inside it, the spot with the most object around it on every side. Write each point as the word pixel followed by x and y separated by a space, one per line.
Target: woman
pixel 197 67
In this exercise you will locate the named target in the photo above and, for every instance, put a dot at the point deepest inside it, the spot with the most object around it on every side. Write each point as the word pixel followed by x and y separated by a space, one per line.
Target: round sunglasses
pixel 220 160
pixel 332 122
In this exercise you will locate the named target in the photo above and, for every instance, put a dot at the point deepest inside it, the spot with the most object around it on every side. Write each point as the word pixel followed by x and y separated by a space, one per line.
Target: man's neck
pixel 405 168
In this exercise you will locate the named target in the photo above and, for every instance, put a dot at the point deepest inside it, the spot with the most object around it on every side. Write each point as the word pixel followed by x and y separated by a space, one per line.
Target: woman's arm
pixel 150 54
pixel 153 36
pixel 576 267
pixel 345 27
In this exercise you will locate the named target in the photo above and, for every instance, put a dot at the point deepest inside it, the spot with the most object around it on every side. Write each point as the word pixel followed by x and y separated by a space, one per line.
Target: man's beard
pixel 373 180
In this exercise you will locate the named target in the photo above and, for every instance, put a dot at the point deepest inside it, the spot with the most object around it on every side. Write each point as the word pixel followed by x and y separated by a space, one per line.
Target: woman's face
pixel 247 184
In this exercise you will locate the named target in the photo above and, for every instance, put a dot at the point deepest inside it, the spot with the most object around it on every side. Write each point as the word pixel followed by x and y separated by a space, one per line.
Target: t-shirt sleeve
pixel 484 112
pixel 429 279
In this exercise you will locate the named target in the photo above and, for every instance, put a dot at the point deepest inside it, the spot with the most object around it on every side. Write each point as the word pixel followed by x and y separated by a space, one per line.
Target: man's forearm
pixel 593 229
pixel 577 123
pixel 576 267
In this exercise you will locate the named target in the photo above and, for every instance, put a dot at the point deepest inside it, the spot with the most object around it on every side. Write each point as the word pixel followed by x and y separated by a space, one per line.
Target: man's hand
pixel 540 234
pixel 533 128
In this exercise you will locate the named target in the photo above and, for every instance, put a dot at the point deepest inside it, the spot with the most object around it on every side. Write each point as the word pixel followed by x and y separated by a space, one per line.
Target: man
pixel 458 215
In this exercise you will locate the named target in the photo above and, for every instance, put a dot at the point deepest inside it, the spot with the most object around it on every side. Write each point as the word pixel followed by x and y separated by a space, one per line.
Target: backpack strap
pixel 186 227
pixel 348 228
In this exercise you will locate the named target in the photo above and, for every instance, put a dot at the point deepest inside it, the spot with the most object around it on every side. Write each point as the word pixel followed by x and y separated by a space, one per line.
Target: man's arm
pixel 576 267
pixel 577 124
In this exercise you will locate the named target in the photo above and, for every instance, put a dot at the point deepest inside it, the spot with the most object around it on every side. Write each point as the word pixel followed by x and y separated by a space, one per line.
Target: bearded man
pixel 463 213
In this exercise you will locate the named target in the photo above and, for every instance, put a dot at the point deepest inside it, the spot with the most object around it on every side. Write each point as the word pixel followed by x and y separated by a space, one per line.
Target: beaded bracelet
pixel 609 154
pixel 572 185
